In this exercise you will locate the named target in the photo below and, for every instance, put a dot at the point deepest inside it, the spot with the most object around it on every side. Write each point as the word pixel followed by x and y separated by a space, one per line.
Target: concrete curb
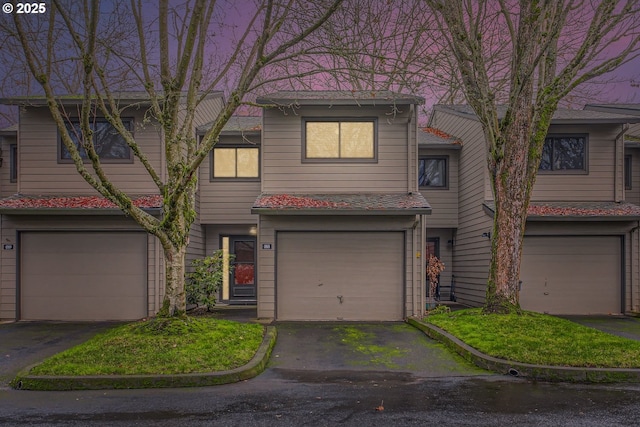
pixel 525 370
pixel 256 366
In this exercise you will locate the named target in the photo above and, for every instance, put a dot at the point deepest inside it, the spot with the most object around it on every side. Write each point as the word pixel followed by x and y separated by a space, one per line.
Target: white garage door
pixel 572 275
pixel 340 275
pixel 83 276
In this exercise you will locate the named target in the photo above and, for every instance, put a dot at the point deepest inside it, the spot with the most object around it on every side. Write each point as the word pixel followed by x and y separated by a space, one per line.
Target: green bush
pixel 203 282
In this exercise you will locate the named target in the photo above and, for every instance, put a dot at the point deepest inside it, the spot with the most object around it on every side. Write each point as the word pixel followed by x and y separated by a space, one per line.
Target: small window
pixel 628 174
pixel 564 153
pixel 432 172
pixel 13 162
pixel 340 140
pixel 109 144
pixel 236 163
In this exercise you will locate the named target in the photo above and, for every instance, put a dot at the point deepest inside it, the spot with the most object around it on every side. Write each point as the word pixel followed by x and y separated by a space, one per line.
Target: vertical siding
pixel 228 201
pixel 7 188
pixel 40 173
pixel 444 202
pixel 284 170
pixel 471 251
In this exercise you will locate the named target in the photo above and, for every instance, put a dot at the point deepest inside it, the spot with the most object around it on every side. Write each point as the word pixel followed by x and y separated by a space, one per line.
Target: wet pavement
pixel 364 378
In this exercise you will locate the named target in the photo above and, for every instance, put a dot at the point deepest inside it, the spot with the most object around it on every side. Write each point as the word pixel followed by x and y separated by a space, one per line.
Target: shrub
pixel 203 282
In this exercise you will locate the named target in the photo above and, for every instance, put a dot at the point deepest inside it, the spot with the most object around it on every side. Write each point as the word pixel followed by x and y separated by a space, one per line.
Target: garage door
pixel 83 276
pixel 572 275
pixel 340 276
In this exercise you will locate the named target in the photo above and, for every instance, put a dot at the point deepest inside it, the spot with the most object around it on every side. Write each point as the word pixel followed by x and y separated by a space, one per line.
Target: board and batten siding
pixel 269 225
pixel 40 173
pixel 471 251
pixel 228 201
pixel 11 225
pixel 284 171
pixel 444 202
pixel 604 168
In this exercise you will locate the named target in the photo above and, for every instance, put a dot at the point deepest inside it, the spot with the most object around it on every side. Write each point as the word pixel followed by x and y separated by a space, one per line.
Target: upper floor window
pixel 236 162
pixel 107 141
pixel 432 172
pixel 334 140
pixel 564 153
pixel 13 162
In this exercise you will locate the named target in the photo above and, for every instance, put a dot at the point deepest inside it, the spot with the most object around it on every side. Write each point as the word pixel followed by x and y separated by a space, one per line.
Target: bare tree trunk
pixel 174 302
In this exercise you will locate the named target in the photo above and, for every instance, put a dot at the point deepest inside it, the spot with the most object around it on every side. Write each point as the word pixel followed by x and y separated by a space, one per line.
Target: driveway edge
pixel 256 366
pixel 525 370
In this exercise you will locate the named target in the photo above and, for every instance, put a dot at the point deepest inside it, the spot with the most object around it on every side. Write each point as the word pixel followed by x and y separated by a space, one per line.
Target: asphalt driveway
pixel 26 343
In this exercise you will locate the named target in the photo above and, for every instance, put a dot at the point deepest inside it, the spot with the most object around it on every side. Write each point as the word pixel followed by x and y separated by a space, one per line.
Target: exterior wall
pixel 225 201
pixel 604 169
pixel 40 173
pixel 443 201
pixel 284 171
pixel 12 224
pixel 471 251
pixel 7 188
pixel 633 195
pixel 629 232
pixel 266 257
pixel 446 252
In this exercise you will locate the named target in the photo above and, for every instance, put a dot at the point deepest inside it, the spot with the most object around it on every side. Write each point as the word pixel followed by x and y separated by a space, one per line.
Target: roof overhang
pixel 341 204
pixel 125 98
pixel 576 211
pixel 357 98
pixel 74 205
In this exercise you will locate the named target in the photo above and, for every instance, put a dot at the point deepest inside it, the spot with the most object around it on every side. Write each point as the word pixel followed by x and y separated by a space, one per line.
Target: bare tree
pixel 553 47
pixel 165 56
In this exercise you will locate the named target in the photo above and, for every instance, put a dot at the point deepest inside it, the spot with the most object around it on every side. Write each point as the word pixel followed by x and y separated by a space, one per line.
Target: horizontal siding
pixel 12 224
pixel 598 184
pixel 284 171
pixel 39 170
pixel 444 203
pixel 471 251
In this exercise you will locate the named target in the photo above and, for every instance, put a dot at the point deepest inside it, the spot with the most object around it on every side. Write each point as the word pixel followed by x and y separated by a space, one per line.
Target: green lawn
pixel 539 339
pixel 176 346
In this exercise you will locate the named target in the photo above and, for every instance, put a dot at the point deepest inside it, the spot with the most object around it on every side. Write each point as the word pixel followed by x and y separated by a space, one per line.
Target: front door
pixel 242 268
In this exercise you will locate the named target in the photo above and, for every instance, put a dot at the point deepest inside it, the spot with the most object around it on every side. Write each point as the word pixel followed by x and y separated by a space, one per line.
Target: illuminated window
pixel 343 140
pixel 236 162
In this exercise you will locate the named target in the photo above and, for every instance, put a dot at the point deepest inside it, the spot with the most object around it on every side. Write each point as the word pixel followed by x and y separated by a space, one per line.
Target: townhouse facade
pixel 326 207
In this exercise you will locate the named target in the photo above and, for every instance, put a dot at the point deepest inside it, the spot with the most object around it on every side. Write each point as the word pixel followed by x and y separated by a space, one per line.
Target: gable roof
pixel 341 204
pixel 237 125
pixel 561 115
pixel 299 98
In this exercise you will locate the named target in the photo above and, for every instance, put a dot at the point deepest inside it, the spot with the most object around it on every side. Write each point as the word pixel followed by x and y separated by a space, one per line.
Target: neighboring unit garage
pixel 340 275
pixel 81 276
pixel 572 274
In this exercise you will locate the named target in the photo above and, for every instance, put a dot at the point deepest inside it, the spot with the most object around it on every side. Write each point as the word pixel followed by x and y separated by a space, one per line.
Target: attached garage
pixel 572 274
pixel 340 275
pixel 82 276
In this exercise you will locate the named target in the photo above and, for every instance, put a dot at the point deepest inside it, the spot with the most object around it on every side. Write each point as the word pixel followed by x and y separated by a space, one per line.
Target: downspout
pixel 618 184
pixel 157 273
pixel 634 232
pixel 413 230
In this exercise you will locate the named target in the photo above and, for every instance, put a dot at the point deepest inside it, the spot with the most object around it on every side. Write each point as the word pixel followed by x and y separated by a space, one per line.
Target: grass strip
pixel 539 339
pixel 160 346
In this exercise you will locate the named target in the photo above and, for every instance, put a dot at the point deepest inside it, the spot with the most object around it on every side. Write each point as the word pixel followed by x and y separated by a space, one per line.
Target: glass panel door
pixel 243 268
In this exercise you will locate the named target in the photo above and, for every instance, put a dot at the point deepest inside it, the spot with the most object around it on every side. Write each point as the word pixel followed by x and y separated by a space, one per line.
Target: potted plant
pixel 434 267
